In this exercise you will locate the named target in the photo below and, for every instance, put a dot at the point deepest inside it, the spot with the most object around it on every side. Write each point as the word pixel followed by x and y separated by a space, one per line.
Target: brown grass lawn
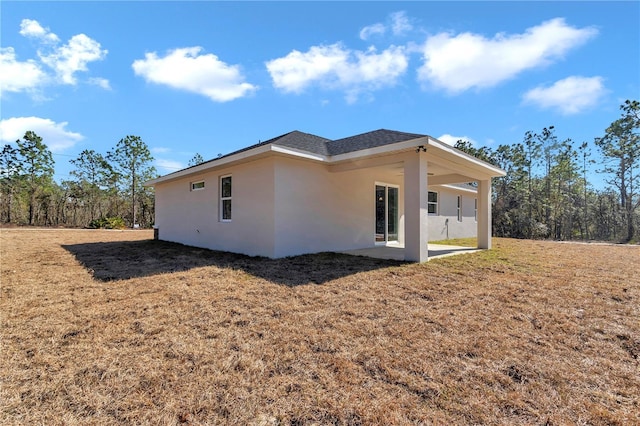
pixel 110 327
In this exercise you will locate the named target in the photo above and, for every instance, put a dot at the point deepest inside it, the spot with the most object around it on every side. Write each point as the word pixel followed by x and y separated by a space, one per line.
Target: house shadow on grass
pixel 123 260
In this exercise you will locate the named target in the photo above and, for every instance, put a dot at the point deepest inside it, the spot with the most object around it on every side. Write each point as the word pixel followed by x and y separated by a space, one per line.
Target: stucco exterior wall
pixel 319 210
pixel 193 217
pixel 445 224
pixel 283 206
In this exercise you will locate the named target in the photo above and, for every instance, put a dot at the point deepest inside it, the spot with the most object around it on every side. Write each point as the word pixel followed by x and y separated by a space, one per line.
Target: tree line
pixel 104 190
pixel 546 192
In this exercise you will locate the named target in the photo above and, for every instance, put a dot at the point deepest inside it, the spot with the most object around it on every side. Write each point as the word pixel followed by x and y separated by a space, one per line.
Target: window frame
pixel 197 182
pixel 396 223
pixel 459 209
pixel 433 203
pixel 475 213
pixel 224 198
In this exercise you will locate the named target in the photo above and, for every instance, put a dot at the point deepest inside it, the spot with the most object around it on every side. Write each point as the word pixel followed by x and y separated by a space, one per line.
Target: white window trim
pixel 222 199
pixel 459 210
pixel 195 183
pixel 386 212
pixel 437 203
pixel 475 213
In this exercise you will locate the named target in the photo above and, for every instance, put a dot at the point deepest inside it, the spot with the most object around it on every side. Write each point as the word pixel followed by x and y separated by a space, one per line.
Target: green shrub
pixel 107 223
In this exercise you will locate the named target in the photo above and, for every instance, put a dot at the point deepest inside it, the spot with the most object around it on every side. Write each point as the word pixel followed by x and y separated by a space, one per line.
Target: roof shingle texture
pixel 303 142
pixel 323 146
pixel 318 145
pixel 369 140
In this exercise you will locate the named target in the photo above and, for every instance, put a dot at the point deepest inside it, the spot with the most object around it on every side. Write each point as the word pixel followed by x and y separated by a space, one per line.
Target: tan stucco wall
pixel 445 225
pixel 310 210
pixel 284 206
pixel 193 218
pixel 318 210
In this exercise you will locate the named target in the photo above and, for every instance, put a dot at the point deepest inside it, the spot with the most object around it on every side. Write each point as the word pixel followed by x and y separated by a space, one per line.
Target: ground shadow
pixel 443 251
pixel 131 259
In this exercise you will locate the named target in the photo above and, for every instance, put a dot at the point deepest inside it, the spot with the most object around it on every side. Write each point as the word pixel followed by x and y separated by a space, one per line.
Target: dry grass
pixel 108 327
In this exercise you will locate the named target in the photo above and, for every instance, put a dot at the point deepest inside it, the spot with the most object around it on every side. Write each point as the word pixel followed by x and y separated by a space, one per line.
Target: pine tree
pixel 620 146
pixel 10 169
pixel 132 159
pixel 197 159
pixel 36 163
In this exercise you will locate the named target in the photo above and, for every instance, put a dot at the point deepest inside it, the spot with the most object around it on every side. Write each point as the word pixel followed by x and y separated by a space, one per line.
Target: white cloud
pixel 460 62
pixel 101 82
pixel 168 166
pixel 451 140
pixel 336 67
pixel 54 135
pixel 160 150
pixel 297 70
pixel 371 30
pixel 65 60
pixel 72 57
pixel 31 28
pixel 19 76
pixel 187 69
pixel 400 23
pixel 569 96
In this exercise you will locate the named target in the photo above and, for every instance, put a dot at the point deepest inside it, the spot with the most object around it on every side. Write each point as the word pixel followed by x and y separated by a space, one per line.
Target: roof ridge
pixel 320 145
pixel 371 139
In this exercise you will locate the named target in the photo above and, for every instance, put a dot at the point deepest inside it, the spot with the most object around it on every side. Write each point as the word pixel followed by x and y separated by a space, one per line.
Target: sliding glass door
pixel 386 213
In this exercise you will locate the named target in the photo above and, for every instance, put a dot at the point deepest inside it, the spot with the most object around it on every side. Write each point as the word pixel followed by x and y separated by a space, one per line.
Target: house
pixel 300 193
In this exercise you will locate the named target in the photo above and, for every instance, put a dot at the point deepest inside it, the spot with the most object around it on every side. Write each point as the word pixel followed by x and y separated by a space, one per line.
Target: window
pixel 225 198
pixel 386 213
pixel 475 210
pixel 197 185
pixel 432 203
pixel 459 208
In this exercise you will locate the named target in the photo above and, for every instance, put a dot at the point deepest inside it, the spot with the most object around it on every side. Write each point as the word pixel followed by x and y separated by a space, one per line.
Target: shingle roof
pixel 303 141
pixel 298 140
pixel 323 146
pixel 369 140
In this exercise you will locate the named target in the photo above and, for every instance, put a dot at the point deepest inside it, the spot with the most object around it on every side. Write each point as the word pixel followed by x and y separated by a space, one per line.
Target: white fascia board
pixel 235 158
pixel 297 153
pixel 439 145
pixel 429 143
pixel 213 164
pixel 380 150
pixel 457 188
pixel 426 141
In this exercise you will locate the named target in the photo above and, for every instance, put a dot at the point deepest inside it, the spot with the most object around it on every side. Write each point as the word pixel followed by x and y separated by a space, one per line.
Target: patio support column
pixel 415 207
pixel 484 214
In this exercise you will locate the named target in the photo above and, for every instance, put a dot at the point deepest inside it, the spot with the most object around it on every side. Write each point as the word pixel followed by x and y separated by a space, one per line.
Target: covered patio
pixel 422 162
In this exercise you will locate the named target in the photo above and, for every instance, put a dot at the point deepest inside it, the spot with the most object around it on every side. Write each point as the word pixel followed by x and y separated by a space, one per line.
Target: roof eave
pixel 210 165
pixel 409 145
pixel 241 157
pixel 488 168
pixel 270 149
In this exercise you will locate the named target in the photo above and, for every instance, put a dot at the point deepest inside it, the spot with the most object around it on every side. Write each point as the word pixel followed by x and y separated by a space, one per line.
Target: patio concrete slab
pixel 396 251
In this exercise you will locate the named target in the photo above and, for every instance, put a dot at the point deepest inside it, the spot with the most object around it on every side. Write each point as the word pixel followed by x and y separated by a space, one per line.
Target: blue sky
pixel 213 77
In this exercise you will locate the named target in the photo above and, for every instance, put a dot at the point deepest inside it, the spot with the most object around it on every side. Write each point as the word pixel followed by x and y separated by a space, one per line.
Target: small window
pixel 459 208
pixel 225 198
pixel 475 210
pixel 432 203
pixel 197 185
